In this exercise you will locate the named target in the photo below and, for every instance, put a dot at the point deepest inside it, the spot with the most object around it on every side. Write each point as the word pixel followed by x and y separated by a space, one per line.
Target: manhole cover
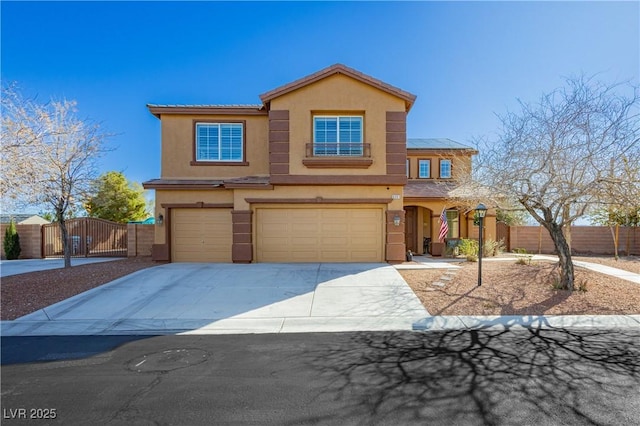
pixel 168 360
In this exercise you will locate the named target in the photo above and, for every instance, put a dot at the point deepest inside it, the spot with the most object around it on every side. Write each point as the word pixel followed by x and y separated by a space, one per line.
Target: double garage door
pixel 319 235
pixel 281 235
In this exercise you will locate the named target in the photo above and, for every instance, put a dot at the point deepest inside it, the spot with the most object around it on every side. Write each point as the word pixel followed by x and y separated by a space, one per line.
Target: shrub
pixel 522 256
pixel 11 242
pixel 492 248
pixel 468 247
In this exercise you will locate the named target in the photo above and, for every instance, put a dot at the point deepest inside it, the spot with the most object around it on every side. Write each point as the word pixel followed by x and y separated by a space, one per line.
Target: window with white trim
pixel 337 135
pixel 445 169
pixel 424 169
pixel 219 142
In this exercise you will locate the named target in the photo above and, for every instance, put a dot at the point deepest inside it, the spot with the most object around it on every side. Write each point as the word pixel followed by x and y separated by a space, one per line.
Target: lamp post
pixel 481 210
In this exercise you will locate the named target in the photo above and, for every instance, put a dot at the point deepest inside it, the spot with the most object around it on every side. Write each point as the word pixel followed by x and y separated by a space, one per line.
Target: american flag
pixel 444 226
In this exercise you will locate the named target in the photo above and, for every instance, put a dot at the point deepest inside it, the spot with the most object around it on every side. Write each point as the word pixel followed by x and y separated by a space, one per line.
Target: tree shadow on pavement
pixel 481 377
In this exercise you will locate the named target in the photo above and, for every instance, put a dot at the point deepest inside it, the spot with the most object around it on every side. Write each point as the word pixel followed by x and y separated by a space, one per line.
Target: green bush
pixel 468 247
pixel 11 242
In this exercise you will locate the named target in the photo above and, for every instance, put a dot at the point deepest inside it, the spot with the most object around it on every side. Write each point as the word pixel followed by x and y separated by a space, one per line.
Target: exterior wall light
pixel 481 211
pixel 160 220
pixel 396 220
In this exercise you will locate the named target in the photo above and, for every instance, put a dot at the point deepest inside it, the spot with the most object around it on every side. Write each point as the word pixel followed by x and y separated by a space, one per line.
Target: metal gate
pixel 88 237
pixel 502 234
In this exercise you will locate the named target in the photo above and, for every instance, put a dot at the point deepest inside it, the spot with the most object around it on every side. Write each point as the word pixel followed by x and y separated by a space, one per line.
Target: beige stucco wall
pixel 460 167
pixel 337 94
pixel 326 192
pixel 178 145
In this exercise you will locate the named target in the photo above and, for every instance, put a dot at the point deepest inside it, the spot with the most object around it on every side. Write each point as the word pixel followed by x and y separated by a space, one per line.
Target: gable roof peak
pixel 338 68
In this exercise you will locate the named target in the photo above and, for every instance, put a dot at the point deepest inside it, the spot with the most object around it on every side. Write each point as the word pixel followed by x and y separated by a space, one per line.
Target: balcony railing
pixel 333 149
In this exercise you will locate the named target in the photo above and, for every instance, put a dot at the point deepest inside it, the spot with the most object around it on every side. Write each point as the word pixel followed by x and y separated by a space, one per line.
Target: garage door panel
pixel 319 235
pixel 201 235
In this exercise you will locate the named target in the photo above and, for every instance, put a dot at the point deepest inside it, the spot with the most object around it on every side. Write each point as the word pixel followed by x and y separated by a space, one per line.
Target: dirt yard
pixel 26 293
pixel 512 289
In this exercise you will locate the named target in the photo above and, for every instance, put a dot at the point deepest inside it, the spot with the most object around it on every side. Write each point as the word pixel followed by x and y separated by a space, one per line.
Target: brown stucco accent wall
pixel 278 142
pixel 395 244
pixel 396 143
pixel 242 249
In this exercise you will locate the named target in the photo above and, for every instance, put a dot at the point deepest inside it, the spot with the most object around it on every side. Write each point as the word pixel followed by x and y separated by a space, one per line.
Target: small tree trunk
pixel 564 256
pixel 66 246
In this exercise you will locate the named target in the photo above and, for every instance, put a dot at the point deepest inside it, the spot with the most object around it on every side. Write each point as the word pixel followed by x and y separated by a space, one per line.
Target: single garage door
pixel 319 235
pixel 201 235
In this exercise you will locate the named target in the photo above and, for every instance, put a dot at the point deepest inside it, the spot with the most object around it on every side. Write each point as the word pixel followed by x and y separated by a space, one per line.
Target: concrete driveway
pixel 232 298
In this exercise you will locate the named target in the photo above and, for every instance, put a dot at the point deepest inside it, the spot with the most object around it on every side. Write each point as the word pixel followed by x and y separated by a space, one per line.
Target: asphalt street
pixel 461 377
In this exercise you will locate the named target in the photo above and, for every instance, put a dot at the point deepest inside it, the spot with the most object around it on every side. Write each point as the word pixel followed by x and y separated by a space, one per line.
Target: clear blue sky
pixel 465 61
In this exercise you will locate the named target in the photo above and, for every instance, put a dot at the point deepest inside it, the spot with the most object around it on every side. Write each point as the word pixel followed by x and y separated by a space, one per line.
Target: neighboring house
pixel 24 219
pixel 315 173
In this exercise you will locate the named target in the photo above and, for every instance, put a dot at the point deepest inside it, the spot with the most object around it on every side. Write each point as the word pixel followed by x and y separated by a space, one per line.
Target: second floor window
pixel 424 169
pixel 337 135
pixel 445 169
pixel 219 142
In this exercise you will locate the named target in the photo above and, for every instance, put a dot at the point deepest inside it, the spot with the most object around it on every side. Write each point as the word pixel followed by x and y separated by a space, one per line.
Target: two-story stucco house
pixel 320 171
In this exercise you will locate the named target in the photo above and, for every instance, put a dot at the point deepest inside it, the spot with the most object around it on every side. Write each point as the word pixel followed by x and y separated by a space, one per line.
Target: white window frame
pixel 220 148
pixel 352 151
pixel 449 172
pixel 424 161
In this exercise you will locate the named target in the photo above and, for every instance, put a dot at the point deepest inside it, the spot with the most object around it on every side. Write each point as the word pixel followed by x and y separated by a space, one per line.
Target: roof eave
pixel 409 98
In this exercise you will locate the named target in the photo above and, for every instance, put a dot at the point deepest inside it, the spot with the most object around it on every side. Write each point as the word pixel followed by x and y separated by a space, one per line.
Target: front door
pixel 410 231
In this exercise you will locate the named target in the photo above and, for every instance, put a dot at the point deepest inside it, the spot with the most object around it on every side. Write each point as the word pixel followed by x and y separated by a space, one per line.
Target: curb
pixel 438 323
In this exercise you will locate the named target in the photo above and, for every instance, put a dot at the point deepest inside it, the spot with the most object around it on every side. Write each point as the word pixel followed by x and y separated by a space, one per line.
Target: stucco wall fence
pixel 30 240
pixel 139 240
pixel 584 240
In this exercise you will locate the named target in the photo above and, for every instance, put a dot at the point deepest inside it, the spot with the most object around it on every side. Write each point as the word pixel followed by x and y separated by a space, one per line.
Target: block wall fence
pixel 139 240
pixel 584 240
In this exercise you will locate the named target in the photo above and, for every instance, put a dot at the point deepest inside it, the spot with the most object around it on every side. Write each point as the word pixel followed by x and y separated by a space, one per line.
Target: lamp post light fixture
pixel 481 211
pixel 160 219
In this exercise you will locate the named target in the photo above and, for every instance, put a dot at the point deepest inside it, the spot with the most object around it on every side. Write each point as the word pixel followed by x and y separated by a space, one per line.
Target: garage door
pixel 201 235
pixel 319 235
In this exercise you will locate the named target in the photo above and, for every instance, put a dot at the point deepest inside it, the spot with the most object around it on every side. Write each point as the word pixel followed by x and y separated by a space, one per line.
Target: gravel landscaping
pixel 26 293
pixel 513 289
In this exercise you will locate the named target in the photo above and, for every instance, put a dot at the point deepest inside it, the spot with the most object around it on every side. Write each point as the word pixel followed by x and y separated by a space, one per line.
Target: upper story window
pixel 424 169
pixel 219 142
pixel 445 169
pixel 337 135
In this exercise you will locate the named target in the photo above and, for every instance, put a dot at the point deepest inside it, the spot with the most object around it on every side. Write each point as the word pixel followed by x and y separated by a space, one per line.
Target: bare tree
pixel 49 155
pixel 554 155
pixel 619 200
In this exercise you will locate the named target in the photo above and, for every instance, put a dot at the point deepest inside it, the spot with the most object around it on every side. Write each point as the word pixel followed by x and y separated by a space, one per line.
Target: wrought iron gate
pixel 88 237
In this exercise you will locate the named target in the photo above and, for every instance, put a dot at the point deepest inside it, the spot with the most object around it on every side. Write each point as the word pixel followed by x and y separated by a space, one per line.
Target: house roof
pixel 428 189
pixel 25 219
pixel 339 69
pixel 182 183
pixel 256 182
pixel 444 189
pixel 436 143
pixel 244 109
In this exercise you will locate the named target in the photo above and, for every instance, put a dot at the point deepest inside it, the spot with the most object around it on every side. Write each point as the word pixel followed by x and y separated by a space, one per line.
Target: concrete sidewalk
pixel 23 266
